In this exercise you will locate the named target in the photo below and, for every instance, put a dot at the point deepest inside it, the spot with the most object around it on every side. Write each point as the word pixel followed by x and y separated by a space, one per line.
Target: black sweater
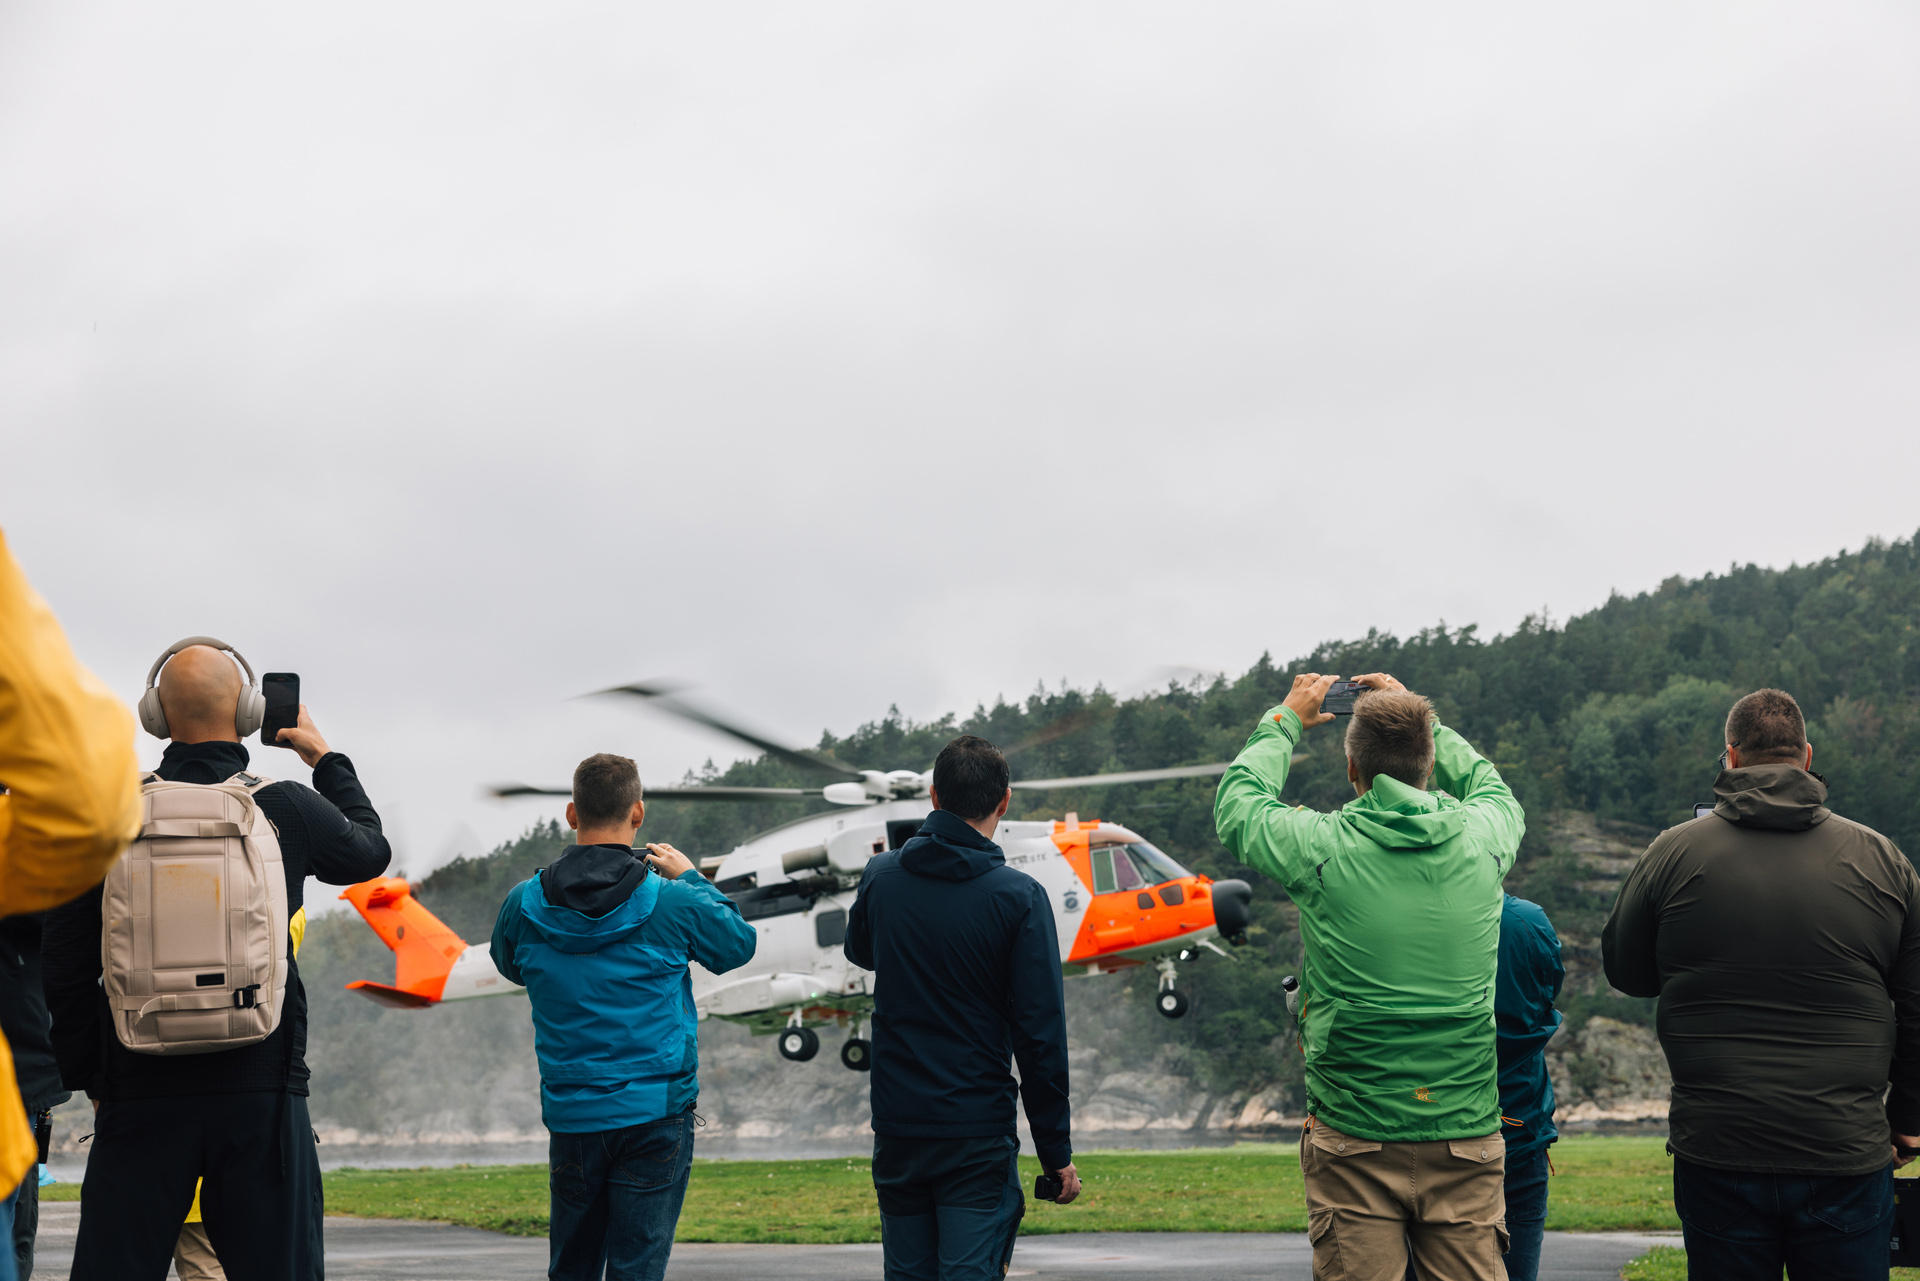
pixel 329 830
pixel 967 982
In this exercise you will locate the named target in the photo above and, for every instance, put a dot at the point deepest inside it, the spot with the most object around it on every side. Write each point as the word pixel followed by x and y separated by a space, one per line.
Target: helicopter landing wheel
pixel 1171 1003
pixel 857 1054
pixel 799 1044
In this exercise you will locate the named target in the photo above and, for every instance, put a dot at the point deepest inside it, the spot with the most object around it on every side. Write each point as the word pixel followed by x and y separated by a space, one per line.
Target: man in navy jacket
pixel 967 968
pixel 601 941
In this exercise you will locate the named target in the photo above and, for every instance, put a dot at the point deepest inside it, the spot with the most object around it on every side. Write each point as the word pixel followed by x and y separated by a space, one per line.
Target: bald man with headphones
pixel 237 1118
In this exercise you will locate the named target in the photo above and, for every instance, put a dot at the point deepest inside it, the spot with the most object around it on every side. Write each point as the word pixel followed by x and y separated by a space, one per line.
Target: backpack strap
pixel 251 782
pixel 149 778
pixel 244 999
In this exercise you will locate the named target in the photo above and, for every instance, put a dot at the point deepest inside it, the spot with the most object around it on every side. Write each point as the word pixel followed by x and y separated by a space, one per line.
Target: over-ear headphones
pixel 247 713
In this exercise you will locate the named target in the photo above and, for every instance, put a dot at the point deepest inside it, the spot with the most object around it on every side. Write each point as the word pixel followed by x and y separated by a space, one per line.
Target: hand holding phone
pixel 1059 1186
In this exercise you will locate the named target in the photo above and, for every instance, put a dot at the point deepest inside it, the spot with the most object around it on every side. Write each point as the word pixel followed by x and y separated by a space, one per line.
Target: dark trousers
pixel 261 1199
pixel 26 1222
pixel 1742 1224
pixel 1526 1213
pixel 616 1197
pixel 949 1208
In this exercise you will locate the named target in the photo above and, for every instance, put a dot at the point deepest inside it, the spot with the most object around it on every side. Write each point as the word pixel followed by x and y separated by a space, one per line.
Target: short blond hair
pixel 1391 733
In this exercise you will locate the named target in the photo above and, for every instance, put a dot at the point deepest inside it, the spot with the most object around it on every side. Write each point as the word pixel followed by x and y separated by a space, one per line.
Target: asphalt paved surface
pixel 395 1250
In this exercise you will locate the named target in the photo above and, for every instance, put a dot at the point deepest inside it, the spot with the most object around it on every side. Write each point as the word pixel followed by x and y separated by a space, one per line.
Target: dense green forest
pixel 1617 712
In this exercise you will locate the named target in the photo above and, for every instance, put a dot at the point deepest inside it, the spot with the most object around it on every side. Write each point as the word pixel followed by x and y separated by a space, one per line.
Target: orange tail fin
pixel 424 948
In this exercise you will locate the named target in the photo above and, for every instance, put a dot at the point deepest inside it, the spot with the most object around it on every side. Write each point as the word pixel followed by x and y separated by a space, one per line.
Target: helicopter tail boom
pixel 431 962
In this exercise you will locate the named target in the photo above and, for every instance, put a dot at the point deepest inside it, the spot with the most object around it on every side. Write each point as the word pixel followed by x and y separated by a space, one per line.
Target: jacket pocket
pixel 1491 1148
pixel 1328 1139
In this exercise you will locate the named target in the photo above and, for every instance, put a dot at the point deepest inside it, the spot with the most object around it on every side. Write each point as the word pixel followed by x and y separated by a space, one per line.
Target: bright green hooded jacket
pixel 1399 895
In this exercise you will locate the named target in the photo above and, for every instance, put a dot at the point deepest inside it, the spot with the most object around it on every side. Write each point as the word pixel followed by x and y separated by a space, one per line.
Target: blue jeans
pixel 1526 1213
pixel 949 1208
pixel 7 1271
pixel 1742 1224
pixel 616 1197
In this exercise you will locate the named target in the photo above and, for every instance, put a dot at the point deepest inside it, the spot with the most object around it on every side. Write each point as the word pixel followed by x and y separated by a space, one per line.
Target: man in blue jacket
pixel 967 969
pixel 1524 1021
pixel 601 941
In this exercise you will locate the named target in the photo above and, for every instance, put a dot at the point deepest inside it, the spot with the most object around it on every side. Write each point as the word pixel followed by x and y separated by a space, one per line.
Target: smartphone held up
pixel 281 690
pixel 1340 697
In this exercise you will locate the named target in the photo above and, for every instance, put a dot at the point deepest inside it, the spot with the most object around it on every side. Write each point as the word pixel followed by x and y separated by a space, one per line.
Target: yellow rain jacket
pixel 73 802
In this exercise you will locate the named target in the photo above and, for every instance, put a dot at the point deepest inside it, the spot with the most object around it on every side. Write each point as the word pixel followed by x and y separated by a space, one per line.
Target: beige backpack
pixel 193 940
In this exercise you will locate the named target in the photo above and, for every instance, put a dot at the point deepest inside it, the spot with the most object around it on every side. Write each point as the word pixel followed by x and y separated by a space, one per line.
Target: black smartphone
pixel 1339 699
pixel 282 692
pixel 1047 1187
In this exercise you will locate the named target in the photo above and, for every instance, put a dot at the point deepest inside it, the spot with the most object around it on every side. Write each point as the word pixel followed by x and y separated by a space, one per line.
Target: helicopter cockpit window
pixel 1145 863
pixel 1103 870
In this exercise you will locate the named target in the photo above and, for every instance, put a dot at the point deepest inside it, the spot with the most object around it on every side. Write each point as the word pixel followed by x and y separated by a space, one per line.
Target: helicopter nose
pixel 1232 908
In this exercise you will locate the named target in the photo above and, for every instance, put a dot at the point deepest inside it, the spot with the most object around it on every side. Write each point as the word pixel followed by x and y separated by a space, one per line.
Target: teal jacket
pixel 614 1024
pixel 1530 976
pixel 1399 894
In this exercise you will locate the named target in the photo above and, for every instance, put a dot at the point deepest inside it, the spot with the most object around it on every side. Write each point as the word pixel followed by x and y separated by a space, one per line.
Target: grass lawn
pixel 1603 1183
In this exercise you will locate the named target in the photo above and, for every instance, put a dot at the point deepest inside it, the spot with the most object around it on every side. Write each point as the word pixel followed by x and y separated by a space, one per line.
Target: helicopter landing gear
pixel 1169 1002
pixel 798 1043
pixel 856 1052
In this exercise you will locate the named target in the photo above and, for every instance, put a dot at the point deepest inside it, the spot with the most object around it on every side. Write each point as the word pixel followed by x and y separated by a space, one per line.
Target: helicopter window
pixel 1103 870
pixel 830 928
pixel 1153 867
pixel 1125 874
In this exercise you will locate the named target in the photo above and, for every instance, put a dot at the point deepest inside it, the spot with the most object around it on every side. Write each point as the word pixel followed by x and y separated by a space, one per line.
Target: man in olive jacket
pixel 1399 896
pixel 1784 944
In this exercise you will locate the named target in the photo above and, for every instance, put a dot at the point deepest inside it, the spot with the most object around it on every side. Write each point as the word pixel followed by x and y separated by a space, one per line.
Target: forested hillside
pixel 1607 726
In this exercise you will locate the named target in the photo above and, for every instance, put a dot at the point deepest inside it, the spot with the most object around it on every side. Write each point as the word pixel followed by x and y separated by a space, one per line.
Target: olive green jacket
pixel 1399 894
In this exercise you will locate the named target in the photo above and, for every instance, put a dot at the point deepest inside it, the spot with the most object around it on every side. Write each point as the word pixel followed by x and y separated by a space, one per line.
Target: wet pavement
pixel 396 1250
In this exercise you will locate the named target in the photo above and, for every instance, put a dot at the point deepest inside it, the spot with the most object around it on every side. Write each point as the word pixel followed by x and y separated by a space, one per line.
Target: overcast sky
pixel 466 357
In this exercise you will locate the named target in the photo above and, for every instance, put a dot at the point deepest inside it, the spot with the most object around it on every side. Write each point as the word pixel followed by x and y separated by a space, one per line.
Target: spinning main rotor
pixel 852 786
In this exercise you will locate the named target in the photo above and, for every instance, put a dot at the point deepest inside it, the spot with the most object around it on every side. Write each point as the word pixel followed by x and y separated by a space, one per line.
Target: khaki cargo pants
pixel 1367 1202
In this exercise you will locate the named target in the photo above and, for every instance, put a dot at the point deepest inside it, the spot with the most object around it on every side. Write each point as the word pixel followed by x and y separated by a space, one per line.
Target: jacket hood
pixel 1780 798
pixel 571 930
pixel 948 849
pixel 1397 817
pixel 593 879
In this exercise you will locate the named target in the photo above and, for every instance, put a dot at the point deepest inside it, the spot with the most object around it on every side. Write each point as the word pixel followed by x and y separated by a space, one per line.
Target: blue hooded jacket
pixel 967 969
pixel 1524 1021
pixel 601 944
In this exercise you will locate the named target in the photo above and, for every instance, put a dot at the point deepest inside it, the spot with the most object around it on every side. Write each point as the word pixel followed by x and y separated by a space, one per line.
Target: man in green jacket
pixel 1399 895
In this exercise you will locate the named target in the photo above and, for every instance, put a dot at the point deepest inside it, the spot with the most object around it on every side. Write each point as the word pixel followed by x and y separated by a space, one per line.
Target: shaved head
pixel 200 692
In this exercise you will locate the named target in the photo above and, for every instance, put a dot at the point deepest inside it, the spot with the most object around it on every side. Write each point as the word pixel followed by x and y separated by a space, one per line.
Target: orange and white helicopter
pixel 1118 902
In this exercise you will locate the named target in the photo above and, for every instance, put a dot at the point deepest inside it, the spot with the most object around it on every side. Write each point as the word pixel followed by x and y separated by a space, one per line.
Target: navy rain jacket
pixel 1524 1021
pixel 967 969
pixel 601 944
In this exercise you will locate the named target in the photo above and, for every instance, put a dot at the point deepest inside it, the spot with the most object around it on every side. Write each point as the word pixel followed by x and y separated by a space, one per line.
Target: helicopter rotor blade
pixel 1134 776
pixel 1130 776
pixel 507 790
pixel 661 694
